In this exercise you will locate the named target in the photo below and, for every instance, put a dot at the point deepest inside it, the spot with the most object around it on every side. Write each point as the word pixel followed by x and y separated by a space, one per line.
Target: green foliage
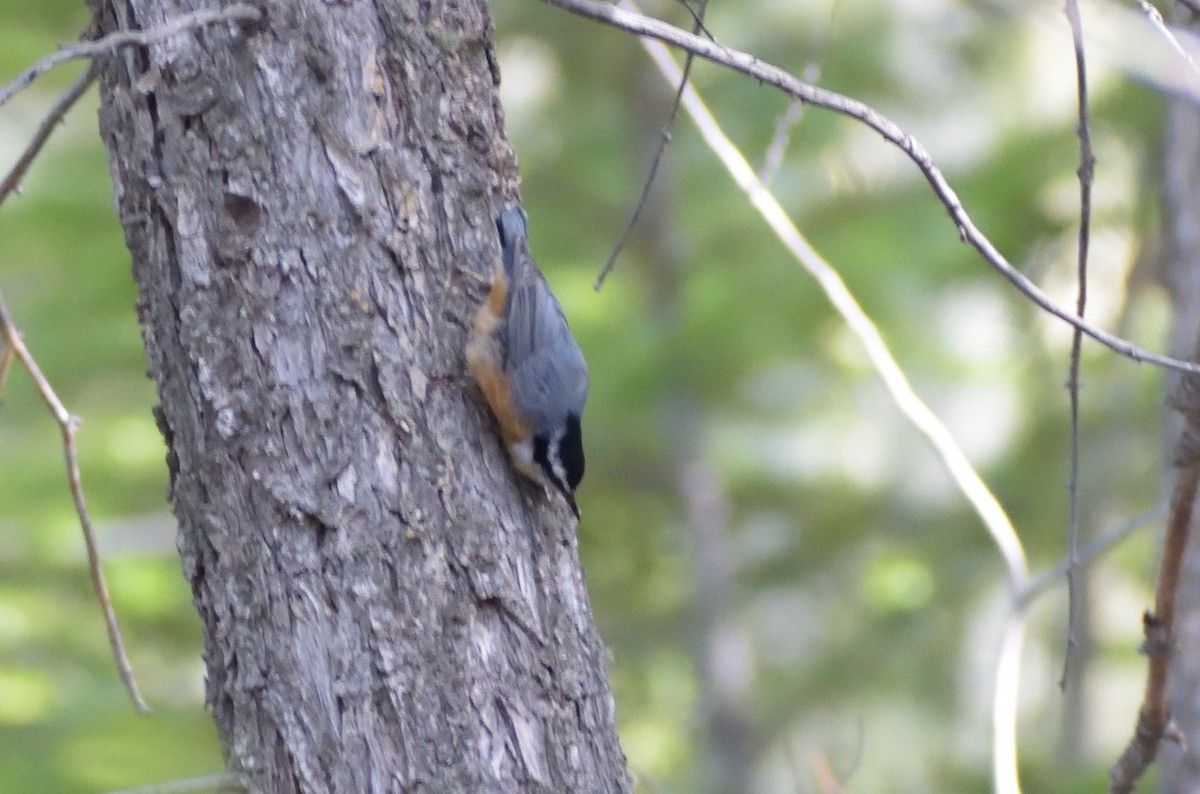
pixel 862 594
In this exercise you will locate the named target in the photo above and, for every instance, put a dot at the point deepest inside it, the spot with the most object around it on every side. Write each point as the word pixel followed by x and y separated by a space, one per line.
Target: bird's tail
pixel 512 226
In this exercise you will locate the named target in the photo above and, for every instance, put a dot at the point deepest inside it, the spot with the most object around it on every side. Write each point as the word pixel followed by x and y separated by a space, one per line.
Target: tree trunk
pixel 1181 276
pixel 309 204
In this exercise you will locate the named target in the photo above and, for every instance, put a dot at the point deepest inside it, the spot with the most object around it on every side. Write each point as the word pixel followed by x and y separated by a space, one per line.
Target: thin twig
pixel 1005 772
pixel 922 417
pixel 1156 20
pixel 12 182
pixel 981 499
pixel 239 12
pixel 698 17
pixel 1087 163
pixel 68 424
pixel 1090 553
pixel 664 139
pixel 784 125
pixel 6 360
pixel 641 25
pixel 788 120
pixel 1159 628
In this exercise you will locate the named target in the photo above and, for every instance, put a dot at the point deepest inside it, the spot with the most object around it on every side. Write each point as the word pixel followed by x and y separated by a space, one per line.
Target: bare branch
pixel 972 486
pixel 697 17
pixel 239 12
pixel 1156 20
pixel 68 424
pixel 1159 627
pixel 788 120
pixel 1005 777
pixel 784 125
pixel 1044 581
pixel 1087 163
pixel 922 417
pixel 6 360
pixel 697 26
pixel 12 182
pixel 891 132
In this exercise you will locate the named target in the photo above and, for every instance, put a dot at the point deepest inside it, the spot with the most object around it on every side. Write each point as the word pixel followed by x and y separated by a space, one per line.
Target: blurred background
pixel 792 590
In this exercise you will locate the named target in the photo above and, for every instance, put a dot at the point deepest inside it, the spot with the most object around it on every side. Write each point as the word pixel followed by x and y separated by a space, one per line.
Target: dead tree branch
pixel 239 12
pixel 1154 717
pixel 891 132
pixel 12 181
pixel 68 424
pixel 1087 162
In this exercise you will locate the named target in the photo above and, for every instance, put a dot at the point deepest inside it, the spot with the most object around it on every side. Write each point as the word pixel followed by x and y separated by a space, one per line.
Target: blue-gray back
pixel 545 365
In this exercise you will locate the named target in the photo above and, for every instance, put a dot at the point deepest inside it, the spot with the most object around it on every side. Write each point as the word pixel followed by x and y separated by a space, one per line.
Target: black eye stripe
pixel 562 458
pixel 544 459
pixel 570 451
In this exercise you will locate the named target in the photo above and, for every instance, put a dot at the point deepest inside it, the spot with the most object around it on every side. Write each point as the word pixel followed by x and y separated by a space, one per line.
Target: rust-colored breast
pixel 485 360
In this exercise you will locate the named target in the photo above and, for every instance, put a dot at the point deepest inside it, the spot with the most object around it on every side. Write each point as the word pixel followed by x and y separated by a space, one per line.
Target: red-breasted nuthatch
pixel 524 358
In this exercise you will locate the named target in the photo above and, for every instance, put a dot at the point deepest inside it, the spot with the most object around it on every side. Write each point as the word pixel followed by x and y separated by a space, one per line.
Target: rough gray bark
pixel 386 608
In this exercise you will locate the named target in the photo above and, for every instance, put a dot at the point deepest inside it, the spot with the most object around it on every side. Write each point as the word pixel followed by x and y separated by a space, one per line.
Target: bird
pixel 522 354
